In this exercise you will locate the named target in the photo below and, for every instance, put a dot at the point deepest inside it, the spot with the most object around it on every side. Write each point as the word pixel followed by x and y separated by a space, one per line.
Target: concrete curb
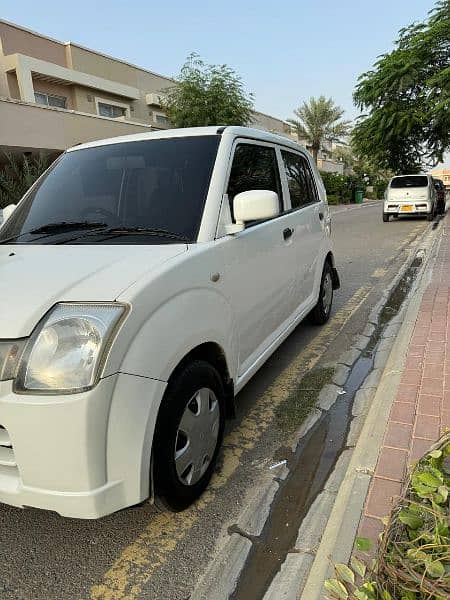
pixel 338 537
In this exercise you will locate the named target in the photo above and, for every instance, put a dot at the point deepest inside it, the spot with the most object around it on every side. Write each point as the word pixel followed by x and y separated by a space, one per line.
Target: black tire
pixel 385 217
pixel 170 492
pixel 430 216
pixel 322 310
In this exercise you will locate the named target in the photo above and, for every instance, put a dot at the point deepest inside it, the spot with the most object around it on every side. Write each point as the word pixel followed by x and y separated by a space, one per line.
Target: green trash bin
pixel 359 196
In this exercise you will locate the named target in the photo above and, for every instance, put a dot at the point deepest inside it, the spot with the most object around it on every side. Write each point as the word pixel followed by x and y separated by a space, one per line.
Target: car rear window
pixel 407 181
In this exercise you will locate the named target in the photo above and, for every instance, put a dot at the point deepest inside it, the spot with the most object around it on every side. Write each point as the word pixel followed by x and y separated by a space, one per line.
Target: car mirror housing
pixel 253 205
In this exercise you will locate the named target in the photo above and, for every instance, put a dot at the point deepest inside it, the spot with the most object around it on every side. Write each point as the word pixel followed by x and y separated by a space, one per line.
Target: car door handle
pixel 321 216
pixel 287 233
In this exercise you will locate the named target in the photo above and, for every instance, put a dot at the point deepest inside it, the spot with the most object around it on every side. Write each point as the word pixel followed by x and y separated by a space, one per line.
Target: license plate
pixel 406 208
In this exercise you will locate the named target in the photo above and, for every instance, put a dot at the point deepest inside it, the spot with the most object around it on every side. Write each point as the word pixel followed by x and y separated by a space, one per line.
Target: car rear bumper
pixel 82 455
pixel 405 208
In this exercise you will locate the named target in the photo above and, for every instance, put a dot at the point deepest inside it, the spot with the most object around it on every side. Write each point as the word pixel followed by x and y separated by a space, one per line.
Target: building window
pixel 161 119
pixel 112 111
pixel 50 100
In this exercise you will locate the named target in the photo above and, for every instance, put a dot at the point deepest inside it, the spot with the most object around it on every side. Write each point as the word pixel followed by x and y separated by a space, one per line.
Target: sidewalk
pixel 421 408
pixel 408 406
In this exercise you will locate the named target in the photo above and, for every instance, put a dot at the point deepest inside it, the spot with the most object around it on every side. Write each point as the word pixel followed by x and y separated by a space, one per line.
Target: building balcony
pixel 32 127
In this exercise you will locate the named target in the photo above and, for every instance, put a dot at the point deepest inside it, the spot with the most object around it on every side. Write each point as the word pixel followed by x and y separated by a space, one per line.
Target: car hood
pixel 35 277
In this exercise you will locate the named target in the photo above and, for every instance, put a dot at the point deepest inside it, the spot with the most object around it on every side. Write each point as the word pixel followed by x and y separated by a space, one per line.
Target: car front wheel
pixel 385 217
pixel 188 435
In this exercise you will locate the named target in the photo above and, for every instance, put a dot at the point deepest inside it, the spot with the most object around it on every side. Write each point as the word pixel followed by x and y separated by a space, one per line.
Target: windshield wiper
pixel 113 232
pixel 57 227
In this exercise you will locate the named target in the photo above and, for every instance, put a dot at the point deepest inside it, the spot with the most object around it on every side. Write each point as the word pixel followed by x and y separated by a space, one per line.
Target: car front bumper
pixel 82 455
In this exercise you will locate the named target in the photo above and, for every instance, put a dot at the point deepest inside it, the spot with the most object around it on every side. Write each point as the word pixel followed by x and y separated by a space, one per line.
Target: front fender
pixel 176 327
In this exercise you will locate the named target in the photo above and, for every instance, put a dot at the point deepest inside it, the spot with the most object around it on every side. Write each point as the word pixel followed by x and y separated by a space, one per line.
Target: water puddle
pixel 312 463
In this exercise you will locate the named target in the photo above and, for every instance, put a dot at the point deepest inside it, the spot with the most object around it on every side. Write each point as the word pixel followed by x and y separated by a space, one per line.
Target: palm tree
pixel 319 120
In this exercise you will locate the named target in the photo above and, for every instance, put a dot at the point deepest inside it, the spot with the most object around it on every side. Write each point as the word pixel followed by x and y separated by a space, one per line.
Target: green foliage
pixel 340 188
pixel 18 174
pixel 344 155
pixel 414 557
pixel 407 98
pixel 207 95
pixel 319 120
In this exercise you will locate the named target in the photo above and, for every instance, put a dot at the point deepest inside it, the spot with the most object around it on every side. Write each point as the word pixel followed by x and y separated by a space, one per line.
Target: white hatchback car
pixel 145 279
pixel 410 195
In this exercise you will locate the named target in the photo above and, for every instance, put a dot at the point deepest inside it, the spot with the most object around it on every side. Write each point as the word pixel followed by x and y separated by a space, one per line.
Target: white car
pixel 145 279
pixel 410 195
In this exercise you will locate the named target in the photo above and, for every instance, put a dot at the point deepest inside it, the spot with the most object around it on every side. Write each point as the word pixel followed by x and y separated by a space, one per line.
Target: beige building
pixel 54 95
pixel 443 175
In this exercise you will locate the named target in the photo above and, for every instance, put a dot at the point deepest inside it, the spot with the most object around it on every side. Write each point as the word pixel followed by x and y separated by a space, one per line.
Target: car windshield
pixel 154 187
pixel 408 181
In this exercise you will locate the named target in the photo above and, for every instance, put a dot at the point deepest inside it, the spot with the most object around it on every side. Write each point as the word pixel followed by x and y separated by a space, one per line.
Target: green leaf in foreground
pixel 363 544
pixel 361 594
pixel 435 454
pixel 358 566
pixel 409 519
pixel 430 480
pixel 409 596
pixel 344 573
pixel 337 588
pixel 435 568
pixel 443 491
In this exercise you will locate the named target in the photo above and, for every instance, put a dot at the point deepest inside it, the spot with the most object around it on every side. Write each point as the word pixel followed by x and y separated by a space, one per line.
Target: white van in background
pixel 410 195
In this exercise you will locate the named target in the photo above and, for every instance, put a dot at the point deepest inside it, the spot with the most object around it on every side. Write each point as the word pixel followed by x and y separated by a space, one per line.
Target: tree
pixel 407 98
pixel 207 95
pixel 319 120
pixel 18 174
pixel 344 155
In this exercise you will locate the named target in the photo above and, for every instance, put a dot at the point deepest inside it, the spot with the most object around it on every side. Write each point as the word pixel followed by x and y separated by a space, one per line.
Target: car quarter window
pixel 254 168
pixel 300 180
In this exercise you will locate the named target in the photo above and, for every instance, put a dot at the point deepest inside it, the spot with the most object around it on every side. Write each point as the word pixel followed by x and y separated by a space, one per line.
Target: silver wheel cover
pixel 197 436
pixel 327 293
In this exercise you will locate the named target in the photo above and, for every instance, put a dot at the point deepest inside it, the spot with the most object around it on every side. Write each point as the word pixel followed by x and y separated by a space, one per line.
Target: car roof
pixel 246 132
pixel 412 175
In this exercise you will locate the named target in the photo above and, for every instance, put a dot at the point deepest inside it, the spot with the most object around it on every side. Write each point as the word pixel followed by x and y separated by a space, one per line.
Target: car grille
pixel 7 458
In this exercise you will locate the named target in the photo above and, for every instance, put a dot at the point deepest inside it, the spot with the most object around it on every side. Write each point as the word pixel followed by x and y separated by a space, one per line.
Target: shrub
pixel 340 186
pixel 413 561
pixel 18 174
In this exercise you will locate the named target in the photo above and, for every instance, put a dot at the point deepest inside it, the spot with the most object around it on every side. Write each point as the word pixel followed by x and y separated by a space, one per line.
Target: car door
pixel 256 279
pixel 308 218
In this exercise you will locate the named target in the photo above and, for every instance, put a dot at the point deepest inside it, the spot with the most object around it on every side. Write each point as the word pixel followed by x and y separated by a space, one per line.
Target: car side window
pixel 254 168
pixel 300 180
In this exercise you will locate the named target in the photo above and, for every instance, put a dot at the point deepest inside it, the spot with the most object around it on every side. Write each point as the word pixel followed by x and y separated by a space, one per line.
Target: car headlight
pixel 66 351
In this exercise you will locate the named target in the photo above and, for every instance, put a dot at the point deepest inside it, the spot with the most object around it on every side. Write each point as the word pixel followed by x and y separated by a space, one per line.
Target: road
pixel 140 553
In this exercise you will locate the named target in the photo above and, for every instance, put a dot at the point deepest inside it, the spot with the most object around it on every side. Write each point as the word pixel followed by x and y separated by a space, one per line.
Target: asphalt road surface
pixel 140 553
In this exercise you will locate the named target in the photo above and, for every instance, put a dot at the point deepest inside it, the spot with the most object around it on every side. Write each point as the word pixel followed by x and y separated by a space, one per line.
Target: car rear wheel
pixel 188 435
pixel 385 217
pixel 321 312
